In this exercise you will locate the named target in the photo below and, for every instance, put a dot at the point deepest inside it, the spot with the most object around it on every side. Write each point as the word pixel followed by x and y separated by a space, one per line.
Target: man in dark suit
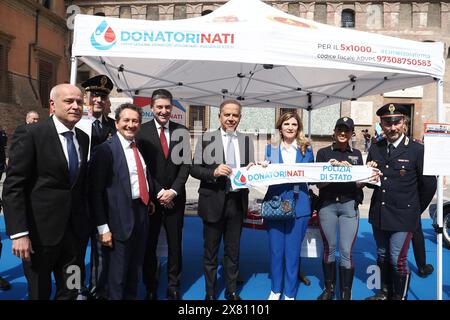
pixel 119 198
pixel 97 90
pixel 221 208
pixel 396 205
pixel 45 200
pixel 166 149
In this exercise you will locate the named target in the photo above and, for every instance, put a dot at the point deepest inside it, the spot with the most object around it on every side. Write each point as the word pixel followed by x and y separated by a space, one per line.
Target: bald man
pixel 45 200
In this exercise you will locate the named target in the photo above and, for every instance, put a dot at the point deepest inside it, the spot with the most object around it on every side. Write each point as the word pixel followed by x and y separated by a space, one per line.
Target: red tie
pixel 143 192
pixel 165 147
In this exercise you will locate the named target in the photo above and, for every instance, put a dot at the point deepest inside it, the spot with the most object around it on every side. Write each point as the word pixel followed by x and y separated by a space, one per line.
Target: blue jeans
pixel 331 215
pixel 394 246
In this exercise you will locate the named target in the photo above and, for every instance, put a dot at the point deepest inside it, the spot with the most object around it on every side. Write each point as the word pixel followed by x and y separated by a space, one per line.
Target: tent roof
pixel 253 52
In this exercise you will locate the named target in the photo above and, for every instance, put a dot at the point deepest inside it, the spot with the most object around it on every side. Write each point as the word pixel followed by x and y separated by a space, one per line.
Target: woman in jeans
pixel 339 211
pixel 286 236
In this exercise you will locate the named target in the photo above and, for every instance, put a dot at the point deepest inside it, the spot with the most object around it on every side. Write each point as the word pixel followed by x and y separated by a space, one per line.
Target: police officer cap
pixel 345 121
pixel 100 85
pixel 392 109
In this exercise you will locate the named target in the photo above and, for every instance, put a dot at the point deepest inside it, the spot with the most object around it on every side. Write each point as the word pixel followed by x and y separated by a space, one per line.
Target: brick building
pixel 33 57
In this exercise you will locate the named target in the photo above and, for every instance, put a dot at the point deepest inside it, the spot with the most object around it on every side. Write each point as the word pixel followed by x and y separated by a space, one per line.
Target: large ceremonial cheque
pixel 258 176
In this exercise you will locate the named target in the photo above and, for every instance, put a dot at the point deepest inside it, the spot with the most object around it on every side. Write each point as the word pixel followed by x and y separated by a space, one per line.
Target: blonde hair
pixel 302 142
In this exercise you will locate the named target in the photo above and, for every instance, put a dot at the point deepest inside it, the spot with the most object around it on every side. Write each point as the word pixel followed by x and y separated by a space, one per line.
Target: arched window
pixel 348 18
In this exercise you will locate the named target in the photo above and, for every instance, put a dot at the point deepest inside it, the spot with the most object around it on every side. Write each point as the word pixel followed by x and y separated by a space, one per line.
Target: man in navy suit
pixel 119 198
pixel 45 200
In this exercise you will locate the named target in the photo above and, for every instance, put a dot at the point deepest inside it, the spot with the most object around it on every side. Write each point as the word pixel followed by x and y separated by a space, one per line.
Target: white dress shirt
pixel 132 170
pixel 60 129
pixel 396 142
pixel 289 152
pixel 235 141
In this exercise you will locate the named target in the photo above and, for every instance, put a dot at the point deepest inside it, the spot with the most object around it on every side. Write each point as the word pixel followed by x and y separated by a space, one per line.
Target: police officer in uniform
pixel 397 204
pixel 97 90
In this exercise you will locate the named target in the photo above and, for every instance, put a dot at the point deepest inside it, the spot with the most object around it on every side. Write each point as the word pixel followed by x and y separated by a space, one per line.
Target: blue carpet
pixel 254 266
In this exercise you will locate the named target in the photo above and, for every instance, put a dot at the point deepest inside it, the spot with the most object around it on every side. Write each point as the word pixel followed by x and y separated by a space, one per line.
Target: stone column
pixel 361 15
pixel 334 12
pixel 193 10
pixel 281 6
pixel 391 15
pixel 307 10
pixel 445 16
pixel 166 12
pixel 139 12
pixel 419 12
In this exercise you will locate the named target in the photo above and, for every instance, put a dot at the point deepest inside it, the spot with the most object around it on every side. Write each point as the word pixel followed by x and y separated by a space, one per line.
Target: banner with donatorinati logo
pixel 257 176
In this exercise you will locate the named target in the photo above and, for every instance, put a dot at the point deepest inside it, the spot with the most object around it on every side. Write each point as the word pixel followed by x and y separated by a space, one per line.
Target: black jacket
pixel 404 192
pixel 37 195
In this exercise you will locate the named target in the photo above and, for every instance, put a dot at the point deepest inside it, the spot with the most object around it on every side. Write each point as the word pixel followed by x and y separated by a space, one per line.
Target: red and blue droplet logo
pixel 103 38
pixel 239 179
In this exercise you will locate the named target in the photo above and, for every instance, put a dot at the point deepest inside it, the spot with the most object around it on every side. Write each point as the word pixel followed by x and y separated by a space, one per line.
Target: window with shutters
pixel 3 73
pixel 5 82
pixel 197 117
pixel 46 81
pixel 348 18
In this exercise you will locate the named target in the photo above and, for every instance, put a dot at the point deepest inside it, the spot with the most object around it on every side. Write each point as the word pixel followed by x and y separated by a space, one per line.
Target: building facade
pixel 414 20
pixel 33 57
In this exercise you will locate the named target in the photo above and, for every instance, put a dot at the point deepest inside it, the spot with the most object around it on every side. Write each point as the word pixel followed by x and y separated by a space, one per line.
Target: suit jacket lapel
pixel 401 148
pixel 120 164
pixel 55 140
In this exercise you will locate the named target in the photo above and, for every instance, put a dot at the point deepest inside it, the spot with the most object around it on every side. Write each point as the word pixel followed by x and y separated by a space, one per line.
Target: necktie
pixel 96 129
pixel 143 192
pixel 73 156
pixel 163 140
pixel 390 149
pixel 231 157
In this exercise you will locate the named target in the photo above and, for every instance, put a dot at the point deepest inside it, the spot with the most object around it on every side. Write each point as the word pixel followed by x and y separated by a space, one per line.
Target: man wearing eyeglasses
pixel 397 204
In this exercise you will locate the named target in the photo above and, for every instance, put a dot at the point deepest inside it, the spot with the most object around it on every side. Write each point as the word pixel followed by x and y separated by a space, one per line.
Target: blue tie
pixel 73 156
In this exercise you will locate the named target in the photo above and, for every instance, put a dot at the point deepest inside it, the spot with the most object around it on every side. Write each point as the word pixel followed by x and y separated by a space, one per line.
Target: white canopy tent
pixel 252 52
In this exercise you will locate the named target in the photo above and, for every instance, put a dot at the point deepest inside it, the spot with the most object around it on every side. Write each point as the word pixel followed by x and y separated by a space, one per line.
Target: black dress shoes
pixel 4 285
pixel 304 279
pixel 233 296
pixel 173 295
pixel 151 295
pixel 210 297
pixel 425 271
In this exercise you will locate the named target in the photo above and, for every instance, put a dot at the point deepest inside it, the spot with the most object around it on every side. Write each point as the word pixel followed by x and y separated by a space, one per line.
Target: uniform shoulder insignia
pixel 406 141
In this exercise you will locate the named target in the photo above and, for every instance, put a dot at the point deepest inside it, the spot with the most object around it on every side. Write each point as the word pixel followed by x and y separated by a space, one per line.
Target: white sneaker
pixel 274 296
pixel 287 298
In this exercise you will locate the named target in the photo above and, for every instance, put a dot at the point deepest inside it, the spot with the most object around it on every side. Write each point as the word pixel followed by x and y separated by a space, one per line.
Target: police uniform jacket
pixel 404 192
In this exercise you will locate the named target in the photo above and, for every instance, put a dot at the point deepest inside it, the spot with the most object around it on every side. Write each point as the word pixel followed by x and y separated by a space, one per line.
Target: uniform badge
pixel 402 172
pixel 109 136
pixel 353 159
pixel 345 119
pixel 406 141
pixel 103 81
pixel 391 108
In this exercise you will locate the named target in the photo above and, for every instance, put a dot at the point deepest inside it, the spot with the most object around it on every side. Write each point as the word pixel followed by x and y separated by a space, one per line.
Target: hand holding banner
pixel 258 176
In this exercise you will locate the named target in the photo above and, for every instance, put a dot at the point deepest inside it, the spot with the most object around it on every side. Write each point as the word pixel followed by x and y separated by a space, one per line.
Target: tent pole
pixel 73 70
pixel 440 192
pixel 309 124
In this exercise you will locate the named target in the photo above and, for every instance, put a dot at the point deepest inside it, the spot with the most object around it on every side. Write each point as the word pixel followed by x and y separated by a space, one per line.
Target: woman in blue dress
pixel 286 236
